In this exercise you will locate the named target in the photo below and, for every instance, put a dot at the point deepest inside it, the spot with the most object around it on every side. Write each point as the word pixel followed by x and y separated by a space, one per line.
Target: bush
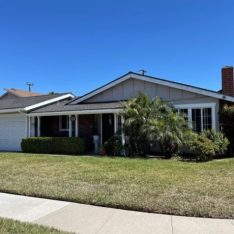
pixel 113 146
pixel 201 148
pixel 53 145
pixel 220 141
pixel 227 120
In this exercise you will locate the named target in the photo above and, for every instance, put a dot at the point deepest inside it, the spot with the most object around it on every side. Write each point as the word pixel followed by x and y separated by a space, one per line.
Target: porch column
pixel 115 122
pixel 70 126
pixel 38 126
pixel 77 126
pixel 122 131
pixel 190 121
pixel 213 117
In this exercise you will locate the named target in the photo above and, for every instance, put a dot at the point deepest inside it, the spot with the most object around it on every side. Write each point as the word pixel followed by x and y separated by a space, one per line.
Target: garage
pixel 12 130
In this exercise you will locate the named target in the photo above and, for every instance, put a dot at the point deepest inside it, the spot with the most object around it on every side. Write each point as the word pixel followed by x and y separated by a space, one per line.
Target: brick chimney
pixel 228 80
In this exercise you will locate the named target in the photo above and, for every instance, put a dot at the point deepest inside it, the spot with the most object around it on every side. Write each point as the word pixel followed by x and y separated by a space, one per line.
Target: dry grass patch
pixel 161 186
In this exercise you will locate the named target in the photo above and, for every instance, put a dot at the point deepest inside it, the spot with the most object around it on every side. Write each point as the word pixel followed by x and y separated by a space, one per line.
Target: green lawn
pixel 8 226
pixel 161 186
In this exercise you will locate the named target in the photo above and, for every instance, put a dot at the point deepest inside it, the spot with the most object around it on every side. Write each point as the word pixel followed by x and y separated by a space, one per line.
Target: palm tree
pixel 136 113
pixel 169 131
pixel 153 121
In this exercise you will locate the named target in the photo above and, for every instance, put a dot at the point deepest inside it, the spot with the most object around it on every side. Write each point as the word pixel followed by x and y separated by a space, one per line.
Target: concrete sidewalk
pixel 87 219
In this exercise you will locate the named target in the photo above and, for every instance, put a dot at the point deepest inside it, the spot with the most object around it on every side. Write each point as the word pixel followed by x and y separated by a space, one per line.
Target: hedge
pixel 53 145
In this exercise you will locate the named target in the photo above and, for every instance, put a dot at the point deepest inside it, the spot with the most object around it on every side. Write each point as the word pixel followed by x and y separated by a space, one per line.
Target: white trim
pixel 38 126
pixel 202 120
pixel 195 105
pixel 156 81
pixel 200 106
pixel 70 126
pixel 28 108
pixel 190 121
pixel 86 112
pixel 77 126
pixel 213 114
pixel 122 131
pixel 115 122
pixel 15 110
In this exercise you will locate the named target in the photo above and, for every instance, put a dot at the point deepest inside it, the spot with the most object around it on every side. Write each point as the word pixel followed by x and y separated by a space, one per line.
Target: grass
pixel 9 226
pixel 161 186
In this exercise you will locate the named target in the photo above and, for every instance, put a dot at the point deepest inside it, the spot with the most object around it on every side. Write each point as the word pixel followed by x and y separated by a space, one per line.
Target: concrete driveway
pixel 86 219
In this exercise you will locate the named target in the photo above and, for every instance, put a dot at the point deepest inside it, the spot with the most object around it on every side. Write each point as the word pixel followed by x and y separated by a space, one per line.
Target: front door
pixel 107 127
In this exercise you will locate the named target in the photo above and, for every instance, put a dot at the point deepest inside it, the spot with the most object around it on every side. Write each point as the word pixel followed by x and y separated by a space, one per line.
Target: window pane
pixel 207 119
pixel 196 119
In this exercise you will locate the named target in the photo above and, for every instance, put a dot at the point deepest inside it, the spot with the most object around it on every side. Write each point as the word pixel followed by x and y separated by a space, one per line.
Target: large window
pixel 207 118
pixel 199 119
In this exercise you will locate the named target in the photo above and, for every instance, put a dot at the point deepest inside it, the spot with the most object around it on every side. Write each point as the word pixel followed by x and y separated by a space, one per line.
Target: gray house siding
pixel 130 88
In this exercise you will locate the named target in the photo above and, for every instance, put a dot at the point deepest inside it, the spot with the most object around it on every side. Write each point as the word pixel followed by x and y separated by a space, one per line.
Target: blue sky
pixel 77 45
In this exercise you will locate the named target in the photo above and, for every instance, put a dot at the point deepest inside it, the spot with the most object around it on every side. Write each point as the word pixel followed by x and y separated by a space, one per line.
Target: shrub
pixel 227 120
pixel 201 148
pixel 220 141
pixel 113 146
pixel 53 145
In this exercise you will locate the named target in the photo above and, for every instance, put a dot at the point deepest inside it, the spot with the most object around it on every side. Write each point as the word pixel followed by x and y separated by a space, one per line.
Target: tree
pixel 153 121
pixel 136 114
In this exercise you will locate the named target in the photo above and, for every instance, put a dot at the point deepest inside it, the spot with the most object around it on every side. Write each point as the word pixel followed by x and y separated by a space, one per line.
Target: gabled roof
pixel 21 93
pixel 25 104
pixel 172 84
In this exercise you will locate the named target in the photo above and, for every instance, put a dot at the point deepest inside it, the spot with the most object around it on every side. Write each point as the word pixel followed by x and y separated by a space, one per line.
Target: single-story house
pixel 97 112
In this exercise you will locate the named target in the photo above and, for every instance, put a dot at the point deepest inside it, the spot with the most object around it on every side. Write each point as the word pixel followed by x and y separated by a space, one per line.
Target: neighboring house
pixel 96 113
pixel 14 93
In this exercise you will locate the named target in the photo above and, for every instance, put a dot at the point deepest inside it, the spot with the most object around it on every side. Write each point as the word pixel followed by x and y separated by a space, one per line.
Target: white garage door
pixel 12 130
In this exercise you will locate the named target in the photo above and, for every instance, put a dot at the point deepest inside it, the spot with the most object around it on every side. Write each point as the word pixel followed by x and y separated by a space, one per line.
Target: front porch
pixel 86 126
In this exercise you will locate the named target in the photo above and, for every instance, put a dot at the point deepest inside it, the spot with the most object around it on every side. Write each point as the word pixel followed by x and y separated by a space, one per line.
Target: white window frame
pixel 60 123
pixel 199 106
